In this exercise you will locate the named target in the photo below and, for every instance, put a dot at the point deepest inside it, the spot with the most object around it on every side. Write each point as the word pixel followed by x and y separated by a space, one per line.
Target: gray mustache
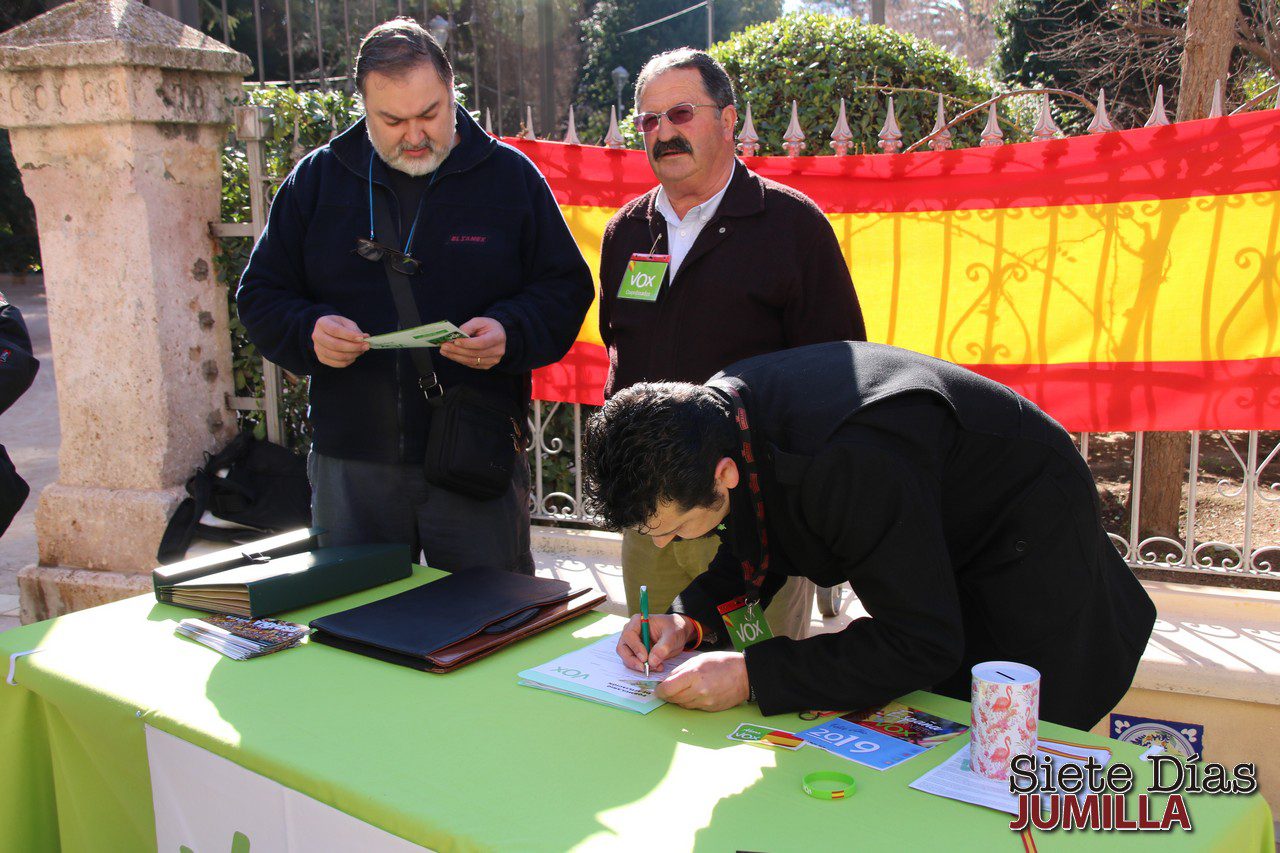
pixel 677 144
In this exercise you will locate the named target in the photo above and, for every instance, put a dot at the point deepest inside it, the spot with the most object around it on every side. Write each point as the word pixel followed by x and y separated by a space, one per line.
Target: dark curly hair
pixel 652 442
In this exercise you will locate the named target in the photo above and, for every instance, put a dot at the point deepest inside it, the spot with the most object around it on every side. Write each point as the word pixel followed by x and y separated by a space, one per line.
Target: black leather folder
pixel 442 625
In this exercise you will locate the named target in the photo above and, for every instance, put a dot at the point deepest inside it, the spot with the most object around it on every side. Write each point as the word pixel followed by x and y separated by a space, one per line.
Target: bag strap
pixel 402 293
pixel 753 571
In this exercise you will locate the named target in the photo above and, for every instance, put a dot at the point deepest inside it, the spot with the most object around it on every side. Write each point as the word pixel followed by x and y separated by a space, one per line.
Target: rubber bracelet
pixel 696 641
pixel 828 785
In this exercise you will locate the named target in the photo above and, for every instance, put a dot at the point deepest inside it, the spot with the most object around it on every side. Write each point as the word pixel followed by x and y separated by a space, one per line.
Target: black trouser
pixel 358 502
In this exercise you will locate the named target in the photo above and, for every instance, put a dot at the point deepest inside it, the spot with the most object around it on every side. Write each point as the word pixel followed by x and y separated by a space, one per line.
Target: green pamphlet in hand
pixel 429 335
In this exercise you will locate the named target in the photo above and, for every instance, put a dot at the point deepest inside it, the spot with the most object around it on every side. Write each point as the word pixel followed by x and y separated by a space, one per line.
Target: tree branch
pixel 1260 52
pixel 1176 33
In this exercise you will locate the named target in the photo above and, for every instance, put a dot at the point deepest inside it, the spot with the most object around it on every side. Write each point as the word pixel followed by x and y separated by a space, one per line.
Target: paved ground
pixel 29 431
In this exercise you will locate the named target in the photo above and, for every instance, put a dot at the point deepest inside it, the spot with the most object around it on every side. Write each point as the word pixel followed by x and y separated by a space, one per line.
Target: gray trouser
pixel 667 571
pixel 358 502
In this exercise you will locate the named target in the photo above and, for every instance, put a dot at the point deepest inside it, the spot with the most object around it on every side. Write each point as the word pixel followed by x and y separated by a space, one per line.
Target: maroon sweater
pixel 765 274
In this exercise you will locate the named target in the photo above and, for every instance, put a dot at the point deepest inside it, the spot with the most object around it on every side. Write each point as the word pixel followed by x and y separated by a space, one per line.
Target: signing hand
pixel 481 351
pixel 715 681
pixel 338 341
pixel 668 635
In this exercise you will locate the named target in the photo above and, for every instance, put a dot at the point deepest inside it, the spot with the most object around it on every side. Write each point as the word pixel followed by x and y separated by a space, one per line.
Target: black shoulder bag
pixel 255 484
pixel 472 443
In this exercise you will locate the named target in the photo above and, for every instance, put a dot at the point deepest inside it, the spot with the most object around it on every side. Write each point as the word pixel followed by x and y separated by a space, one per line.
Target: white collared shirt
pixel 682 232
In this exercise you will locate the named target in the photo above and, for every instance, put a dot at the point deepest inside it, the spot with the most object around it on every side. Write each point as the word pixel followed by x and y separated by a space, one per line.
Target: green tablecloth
pixel 464 761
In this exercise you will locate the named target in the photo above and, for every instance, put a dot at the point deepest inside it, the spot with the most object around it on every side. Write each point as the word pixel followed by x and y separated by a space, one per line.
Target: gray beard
pixel 396 159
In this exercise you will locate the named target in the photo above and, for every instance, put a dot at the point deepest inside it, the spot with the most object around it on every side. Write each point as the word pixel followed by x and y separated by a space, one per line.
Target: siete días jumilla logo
pixel 1070 796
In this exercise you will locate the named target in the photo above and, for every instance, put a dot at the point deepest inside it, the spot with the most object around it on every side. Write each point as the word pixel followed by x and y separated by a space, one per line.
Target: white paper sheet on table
pixel 596 672
pixel 954 780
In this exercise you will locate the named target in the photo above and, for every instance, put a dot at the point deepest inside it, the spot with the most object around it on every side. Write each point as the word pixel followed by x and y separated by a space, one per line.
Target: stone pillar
pixel 117 115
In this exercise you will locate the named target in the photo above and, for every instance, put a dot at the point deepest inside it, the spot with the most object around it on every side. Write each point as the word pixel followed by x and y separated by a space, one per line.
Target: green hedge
pixel 301 121
pixel 817 59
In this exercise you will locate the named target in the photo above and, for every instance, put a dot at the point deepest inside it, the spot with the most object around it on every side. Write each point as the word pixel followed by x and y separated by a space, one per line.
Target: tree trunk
pixel 1164 470
pixel 877 11
pixel 1206 58
pixel 1206 54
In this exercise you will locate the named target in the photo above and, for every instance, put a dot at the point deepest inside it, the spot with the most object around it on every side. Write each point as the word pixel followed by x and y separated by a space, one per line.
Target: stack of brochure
pixel 882 737
pixel 241 639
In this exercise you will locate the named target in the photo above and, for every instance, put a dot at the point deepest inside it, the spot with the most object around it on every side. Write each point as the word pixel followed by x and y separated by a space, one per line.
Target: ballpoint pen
pixel 644 626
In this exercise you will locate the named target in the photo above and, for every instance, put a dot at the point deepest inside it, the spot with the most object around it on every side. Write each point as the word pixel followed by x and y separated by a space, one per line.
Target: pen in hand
pixel 644 626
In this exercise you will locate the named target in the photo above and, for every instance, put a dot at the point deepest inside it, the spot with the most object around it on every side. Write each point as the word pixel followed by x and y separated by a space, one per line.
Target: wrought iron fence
pixel 1247 554
pixel 503 52
pixel 1244 493
pixel 1248 493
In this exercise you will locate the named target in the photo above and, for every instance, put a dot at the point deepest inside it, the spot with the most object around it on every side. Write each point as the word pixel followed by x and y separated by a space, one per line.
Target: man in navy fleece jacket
pixel 493 255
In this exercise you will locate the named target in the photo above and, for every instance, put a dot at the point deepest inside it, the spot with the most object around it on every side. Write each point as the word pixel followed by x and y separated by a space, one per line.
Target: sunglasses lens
pixel 680 114
pixel 405 265
pixel 647 122
pixel 368 250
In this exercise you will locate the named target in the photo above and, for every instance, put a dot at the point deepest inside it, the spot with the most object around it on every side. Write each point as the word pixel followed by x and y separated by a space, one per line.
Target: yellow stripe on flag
pixel 1160 281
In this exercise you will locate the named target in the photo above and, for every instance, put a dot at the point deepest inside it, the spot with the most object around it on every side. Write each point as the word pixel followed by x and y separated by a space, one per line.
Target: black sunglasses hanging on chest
pixel 371 250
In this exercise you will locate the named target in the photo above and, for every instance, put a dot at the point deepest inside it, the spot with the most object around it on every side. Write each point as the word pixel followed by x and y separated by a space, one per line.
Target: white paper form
pixel 954 779
pixel 596 672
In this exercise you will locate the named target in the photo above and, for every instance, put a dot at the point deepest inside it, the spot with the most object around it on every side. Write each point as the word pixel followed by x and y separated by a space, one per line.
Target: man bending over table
pixel 962 516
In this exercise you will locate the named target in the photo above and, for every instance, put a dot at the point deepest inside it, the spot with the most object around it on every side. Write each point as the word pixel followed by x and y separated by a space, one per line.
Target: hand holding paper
pixel 337 340
pixel 483 349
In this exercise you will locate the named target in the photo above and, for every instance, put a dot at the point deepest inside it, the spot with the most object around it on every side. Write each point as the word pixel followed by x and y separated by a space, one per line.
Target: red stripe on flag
pixel 577 378
pixel 1231 155
pixel 1103 397
pixel 1129 396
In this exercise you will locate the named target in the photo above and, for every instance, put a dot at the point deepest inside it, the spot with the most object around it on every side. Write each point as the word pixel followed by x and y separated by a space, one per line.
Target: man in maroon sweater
pixel 714 265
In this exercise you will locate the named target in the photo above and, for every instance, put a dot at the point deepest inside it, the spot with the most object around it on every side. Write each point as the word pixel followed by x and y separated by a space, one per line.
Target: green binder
pixel 273 584
pixel 281 545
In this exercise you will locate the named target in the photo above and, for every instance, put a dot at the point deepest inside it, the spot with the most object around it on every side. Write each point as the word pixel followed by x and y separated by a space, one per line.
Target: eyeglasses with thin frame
pixel 400 262
pixel 679 114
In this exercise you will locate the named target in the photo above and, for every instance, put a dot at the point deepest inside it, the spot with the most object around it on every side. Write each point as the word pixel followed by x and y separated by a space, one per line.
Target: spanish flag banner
pixel 1122 281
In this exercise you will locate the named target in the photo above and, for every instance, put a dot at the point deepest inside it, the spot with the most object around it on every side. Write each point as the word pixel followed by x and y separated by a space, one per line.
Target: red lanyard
pixel 752 574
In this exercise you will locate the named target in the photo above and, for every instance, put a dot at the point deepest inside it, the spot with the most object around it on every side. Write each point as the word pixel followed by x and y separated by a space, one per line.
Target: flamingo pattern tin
pixel 1006 716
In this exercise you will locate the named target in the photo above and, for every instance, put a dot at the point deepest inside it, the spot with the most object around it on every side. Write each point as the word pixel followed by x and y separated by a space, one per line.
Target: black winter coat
pixel 17 370
pixel 18 366
pixel 962 516
pixel 765 274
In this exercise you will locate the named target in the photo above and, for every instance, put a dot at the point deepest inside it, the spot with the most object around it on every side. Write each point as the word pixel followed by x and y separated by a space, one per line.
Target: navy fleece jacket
pixel 492 243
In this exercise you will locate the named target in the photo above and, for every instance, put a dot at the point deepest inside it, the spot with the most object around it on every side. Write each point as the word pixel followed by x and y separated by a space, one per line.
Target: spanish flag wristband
pixel 697 640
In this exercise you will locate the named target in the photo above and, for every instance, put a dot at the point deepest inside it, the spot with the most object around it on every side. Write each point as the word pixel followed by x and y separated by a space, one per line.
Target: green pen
pixel 644 626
